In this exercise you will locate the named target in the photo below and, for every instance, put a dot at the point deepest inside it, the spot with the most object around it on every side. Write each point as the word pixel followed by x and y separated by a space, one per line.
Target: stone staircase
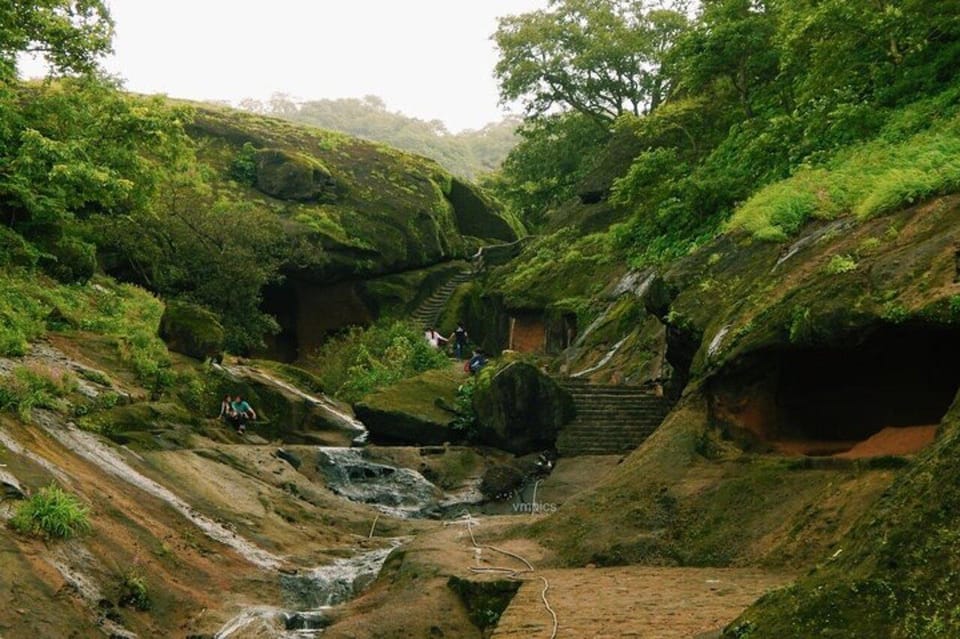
pixel 610 419
pixel 429 310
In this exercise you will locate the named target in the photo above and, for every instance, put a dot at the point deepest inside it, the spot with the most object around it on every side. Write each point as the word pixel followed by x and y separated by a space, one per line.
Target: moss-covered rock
pixel 293 176
pixel 416 411
pixel 191 330
pixel 520 409
pixel 478 216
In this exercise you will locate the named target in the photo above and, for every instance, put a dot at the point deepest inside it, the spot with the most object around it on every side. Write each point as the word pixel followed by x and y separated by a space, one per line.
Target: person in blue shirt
pixel 477 362
pixel 242 413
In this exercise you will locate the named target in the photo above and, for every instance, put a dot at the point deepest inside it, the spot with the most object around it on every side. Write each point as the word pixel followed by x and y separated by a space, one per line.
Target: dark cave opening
pixel 834 396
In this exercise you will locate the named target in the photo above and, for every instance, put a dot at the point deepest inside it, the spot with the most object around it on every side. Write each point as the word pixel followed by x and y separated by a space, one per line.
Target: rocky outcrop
pixel 521 409
pixel 191 330
pixel 293 176
pixel 413 411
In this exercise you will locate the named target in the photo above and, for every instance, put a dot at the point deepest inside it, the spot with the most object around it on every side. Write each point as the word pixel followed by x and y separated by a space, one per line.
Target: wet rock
pixel 499 482
pixel 305 621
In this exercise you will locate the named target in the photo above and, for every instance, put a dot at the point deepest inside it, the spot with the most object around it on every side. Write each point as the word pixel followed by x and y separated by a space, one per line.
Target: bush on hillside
pixel 52 513
pixel 362 360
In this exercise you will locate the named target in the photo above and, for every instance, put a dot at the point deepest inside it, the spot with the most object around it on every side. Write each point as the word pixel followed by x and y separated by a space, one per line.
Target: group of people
pixel 459 339
pixel 237 412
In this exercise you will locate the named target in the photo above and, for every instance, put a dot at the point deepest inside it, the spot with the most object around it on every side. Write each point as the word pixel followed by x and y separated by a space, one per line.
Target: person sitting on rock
pixel 434 338
pixel 226 409
pixel 476 362
pixel 243 412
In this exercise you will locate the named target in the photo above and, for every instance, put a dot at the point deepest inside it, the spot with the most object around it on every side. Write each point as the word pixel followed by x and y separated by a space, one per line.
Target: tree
pixel 71 35
pixel 544 169
pixel 601 58
pixel 732 47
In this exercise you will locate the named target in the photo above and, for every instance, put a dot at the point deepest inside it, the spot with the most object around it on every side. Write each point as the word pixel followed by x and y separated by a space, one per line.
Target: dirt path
pixel 639 602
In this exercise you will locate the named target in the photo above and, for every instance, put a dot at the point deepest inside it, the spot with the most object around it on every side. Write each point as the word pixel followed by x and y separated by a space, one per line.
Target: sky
pixel 431 59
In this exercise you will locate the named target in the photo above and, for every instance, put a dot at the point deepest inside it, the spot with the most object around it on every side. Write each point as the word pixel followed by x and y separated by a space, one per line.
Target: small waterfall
pixel 603 362
pixel 310 596
pixel 400 492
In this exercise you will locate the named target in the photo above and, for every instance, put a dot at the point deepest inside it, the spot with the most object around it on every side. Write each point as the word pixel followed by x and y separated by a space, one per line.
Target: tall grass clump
pixel 52 513
pixel 361 360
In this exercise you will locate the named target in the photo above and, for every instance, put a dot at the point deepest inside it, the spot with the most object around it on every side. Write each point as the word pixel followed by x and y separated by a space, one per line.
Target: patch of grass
pixel 52 513
pixel 866 180
pixel 841 264
pixel 362 360
pixel 31 304
pixel 33 386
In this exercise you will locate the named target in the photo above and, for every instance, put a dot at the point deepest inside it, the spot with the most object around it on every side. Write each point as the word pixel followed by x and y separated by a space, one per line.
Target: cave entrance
pixel 882 396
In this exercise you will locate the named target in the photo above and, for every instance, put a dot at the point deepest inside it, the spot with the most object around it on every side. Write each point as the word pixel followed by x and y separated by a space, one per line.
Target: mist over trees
pixel 470 153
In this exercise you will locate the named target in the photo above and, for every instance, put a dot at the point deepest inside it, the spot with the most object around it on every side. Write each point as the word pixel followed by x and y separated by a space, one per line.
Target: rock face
pixel 293 176
pixel 521 409
pixel 191 330
pixel 410 412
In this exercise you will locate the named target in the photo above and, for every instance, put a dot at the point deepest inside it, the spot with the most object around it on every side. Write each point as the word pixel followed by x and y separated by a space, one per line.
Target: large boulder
pixel 293 176
pixel 520 409
pixel 191 330
pixel 414 411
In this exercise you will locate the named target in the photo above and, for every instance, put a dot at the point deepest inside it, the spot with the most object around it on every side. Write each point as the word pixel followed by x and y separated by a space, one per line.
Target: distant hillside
pixel 468 154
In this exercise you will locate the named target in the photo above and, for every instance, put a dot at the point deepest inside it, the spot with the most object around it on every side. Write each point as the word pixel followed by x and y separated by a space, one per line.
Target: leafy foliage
pixel 71 35
pixel 52 513
pixel 362 360
pixel 554 58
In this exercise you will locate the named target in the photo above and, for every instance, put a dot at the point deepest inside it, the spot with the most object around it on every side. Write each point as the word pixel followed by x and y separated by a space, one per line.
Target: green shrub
pixel 360 360
pixel 243 169
pixel 133 591
pixel 71 260
pixel 52 513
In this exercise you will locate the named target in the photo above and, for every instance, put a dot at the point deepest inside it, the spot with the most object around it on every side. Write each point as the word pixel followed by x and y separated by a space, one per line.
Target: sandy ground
pixel 905 440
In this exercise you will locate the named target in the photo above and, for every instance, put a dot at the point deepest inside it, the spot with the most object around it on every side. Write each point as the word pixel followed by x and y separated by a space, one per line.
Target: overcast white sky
pixel 431 59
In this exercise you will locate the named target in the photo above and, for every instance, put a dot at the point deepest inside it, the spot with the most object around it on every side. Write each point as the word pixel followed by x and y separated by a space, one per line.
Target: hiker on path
pixel 459 338
pixel 434 338
pixel 243 412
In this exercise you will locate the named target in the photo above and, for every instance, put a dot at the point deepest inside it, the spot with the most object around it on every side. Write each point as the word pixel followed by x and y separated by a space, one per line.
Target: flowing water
pixel 400 492
pixel 309 596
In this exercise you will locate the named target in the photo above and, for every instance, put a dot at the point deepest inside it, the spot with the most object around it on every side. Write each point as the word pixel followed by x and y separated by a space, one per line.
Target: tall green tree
pixel 71 35
pixel 601 58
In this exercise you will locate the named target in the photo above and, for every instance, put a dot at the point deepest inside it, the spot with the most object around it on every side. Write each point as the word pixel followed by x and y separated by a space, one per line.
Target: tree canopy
pixel 601 58
pixel 71 35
